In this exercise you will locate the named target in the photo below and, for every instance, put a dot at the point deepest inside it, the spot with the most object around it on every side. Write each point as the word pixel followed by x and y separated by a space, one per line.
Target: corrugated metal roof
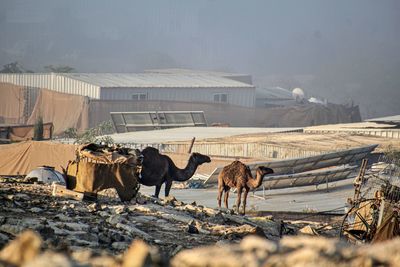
pixel 190 71
pixel 389 119
pixel 155 80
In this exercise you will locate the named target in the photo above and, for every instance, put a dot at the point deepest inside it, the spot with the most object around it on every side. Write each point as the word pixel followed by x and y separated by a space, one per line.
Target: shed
pixel 187 87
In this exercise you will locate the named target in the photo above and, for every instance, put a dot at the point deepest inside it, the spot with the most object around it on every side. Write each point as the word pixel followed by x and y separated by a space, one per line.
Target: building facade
pixel 186 87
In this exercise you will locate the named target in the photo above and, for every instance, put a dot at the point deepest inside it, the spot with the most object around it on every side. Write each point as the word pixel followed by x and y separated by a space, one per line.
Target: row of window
pixel 219 97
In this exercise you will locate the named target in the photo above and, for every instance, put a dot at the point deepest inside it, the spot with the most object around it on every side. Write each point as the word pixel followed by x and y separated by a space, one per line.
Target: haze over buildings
pixel 341 50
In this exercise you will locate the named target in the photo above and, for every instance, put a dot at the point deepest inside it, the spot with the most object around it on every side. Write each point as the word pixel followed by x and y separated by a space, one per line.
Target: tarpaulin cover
pixel 306 115
pixel 64 110
pixel 94 177
pixel 101 167
pixel 12 102
pixel 21 158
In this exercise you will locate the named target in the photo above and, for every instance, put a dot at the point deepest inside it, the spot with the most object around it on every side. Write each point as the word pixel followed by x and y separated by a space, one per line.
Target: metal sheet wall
pixel 237 96
pixel 53 82
pixel 29 79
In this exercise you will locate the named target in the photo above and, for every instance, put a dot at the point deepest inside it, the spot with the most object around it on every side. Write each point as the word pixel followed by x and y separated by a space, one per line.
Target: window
pixel 221 98
pixel 139 96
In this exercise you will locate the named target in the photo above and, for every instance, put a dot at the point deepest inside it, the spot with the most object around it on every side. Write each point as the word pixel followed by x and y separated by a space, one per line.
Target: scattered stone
pixel 76 226
pixel 19 210
pixel 119 209
pixel 21 250
pixel 169 199
pixel 93 207
pixel 51 259
pixel 321 244
pixel 252 243
pixel 61 217
pixel 140 254
pixel 134 231
pixel 12 229
pixel 192 229
pixel 36 210
pixel 308 230
pixel 115 219
pixel 104 213
pixel 120 245
pixel 21 196
pixel 3 239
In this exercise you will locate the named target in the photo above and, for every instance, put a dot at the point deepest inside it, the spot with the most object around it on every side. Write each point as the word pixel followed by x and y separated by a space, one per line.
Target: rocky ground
pixel 38 229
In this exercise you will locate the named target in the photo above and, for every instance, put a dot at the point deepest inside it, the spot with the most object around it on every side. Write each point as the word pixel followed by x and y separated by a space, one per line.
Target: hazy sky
pixel 337 49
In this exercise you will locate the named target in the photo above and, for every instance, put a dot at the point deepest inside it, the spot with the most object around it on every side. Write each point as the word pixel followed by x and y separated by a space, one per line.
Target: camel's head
pixel 137 154
pixel 264 170
pixel 200 158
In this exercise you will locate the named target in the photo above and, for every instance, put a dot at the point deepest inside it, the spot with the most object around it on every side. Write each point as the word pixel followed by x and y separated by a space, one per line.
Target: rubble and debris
pixel 173 233
pixel 111 225
pixel 374 218
pixel 251 251
pixel 290 251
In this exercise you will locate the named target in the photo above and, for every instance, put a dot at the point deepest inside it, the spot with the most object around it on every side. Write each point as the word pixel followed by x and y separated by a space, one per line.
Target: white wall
pixel 237 96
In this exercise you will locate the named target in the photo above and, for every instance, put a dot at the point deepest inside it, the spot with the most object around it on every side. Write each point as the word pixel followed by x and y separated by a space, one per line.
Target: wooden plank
pixel 61 191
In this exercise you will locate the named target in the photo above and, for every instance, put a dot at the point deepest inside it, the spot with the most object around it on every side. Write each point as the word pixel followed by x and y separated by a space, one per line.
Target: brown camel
pixel 238 175
pixel 158 169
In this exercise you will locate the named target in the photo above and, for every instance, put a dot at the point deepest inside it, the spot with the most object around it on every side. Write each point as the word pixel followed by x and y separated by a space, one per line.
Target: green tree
pixel 97 134
pixel 38 129
pixel 59 68
pixel 71 133
pixel 14 67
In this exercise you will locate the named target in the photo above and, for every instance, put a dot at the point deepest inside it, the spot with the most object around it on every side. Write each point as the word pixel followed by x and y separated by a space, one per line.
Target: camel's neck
pixel 255 182
pixel 185 174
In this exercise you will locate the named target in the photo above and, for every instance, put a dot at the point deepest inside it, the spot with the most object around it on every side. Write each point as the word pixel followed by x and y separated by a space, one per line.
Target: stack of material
pixel 98 167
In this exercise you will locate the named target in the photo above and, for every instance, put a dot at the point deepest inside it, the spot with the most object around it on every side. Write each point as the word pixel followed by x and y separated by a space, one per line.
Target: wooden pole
pixel 191 145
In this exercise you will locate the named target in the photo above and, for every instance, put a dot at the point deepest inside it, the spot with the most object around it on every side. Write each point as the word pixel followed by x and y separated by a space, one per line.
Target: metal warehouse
pixel 186 87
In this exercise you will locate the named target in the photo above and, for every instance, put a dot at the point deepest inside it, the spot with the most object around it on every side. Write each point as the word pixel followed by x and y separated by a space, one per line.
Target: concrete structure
pixel 388 120
pixel 187 133
pixel 188 87
pixel 370 127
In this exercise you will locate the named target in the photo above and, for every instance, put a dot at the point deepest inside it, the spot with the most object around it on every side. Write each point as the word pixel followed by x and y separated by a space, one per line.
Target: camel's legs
pixel 226 189
pixel 158 188
pixel 168 185
pixel 246 191
pixel 239 195
pixel 219 197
